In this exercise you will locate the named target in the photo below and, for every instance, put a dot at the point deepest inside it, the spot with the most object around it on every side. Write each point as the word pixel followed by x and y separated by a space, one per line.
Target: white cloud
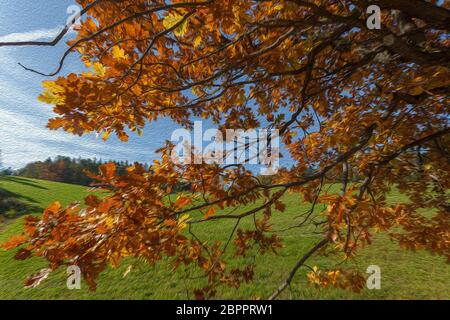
pixel 25 138
pixel 34 35
pixel 23 133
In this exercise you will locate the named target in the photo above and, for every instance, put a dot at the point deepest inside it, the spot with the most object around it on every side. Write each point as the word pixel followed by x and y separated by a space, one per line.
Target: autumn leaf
pixel 52 94
pixel 182 202
pixel 108 170
pixel 54 124
pixel 13 242
pixel 280 206
pixel 106 135
pixel 173 19
pixel 22 254
pixel 36 279
pixel 182 221
pixel 278 7
pixel 99 69
pixel 197 41
pixel 52 209
pixel 211 211
pixel 119 53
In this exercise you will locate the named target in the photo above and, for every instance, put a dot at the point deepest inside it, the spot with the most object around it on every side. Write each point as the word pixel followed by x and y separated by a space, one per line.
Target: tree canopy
pixel 344 97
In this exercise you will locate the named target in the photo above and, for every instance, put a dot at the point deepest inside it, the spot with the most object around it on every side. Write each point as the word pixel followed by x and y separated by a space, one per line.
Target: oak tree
pixel 366 106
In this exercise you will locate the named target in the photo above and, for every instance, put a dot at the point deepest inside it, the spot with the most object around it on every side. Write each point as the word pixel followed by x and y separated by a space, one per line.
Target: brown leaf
pixel 36 279
pixel 22 254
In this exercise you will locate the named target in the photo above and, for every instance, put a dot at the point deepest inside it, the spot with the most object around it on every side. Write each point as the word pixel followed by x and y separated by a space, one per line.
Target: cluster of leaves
pixel 137 220
pixel 348 102
pixel 338 278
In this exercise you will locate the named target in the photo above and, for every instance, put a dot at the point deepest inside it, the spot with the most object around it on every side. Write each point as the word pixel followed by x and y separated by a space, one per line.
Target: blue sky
pixel 23 136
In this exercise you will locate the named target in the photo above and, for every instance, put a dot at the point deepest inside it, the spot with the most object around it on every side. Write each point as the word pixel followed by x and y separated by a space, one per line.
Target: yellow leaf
pixel 106 135
pixel 197 41
pixel 51 94
pixel 119 53
pixel 278 7
pixel 53 87
pixel 183 218
pixel 173 19
pixel 49 98
pixel 99 69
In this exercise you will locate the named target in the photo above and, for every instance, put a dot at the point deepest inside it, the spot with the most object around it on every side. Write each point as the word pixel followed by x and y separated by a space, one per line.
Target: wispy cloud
pixel 33 35
pixel 23 133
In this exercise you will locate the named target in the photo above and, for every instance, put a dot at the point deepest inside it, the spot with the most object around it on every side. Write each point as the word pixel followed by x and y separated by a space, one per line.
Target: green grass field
pixel 405 274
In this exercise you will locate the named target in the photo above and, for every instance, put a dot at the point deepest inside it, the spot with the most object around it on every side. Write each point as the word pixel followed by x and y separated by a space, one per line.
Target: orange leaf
pixel 182 202
pixel 13 242
pixel 108 170
pixel 54 207
pixel 211 211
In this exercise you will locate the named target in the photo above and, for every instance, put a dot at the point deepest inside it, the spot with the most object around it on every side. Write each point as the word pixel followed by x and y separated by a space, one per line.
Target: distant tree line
pixel 66 169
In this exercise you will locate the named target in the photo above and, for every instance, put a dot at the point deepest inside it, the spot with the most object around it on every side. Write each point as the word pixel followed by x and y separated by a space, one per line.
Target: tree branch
pixel 300 263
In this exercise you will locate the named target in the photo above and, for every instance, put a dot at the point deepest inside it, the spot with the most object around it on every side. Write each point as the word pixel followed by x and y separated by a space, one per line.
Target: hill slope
pixel 404 274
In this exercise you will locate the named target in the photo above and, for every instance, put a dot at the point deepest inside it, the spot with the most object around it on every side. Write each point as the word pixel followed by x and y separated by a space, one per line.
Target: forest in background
pixel 66 169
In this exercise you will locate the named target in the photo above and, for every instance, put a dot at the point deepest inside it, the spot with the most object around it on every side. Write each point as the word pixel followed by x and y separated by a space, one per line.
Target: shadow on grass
pixel 23 181
pixel 13 205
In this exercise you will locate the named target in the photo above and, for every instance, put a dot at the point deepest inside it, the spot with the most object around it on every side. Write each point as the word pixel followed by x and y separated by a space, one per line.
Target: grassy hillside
pixel 404 274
